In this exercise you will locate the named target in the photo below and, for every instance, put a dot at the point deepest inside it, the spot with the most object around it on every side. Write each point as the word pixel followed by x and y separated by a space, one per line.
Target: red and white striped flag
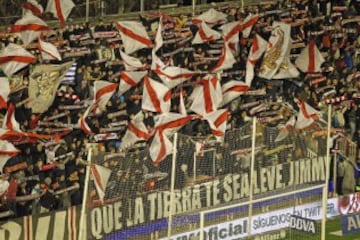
pixel 170 122
pixel 276 50
pixel 48 50
pixel 160 148
pixel 4 91
pixel 61 9
pixel 306 115
pixel 29 28
pixel 310 59
pixel 132 63
pixel 218 121
pixel 158 37
pixel 34 7
pixel 13 58
pixel 129 80
pixel 211 17
pixel 133 35
pixel 206 97
pixel 226 60
pixel 231 30
pixel 101 177
pixel 232 90
pixel 285 129
pixel 173 76
pixel 7 151
pixel 156 96
pixel 103 92
pixel 136 131
pixel 257 49
pixel 82 122
pixel 10 122
pixel 205 34
pixel 165 125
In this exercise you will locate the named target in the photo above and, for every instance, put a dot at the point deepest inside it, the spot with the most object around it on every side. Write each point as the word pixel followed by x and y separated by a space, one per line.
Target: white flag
pixel 129 80
pixel 310 59
pixel 136 131
pixel 29 28
pixel 132 63
pixel 103 92
pixel 13 58
pixel 60 9
pixel 48 51
pixel 232 90
pixel 173 76
pixel 205 34
pixel 211 17
pixel 101 177
pixel 156 96
pixel 133 35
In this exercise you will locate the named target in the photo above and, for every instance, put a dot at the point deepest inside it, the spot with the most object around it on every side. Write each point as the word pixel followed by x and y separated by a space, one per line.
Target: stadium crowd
pixel 49 174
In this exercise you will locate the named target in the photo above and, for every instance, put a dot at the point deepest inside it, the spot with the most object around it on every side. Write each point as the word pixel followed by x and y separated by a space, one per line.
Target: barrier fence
pixel 205 186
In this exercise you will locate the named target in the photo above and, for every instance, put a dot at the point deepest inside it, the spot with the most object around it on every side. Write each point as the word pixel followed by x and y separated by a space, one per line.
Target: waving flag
pixel 7 151
pixel 310 59
pixel 218 121
pixel 231 30
pixel 232 90
pixel 29 28
pixel 61 9
pixel 169 122
pixel 156 96
pixel 103 92
pixel 165 125
pixel 160 148
pixel 4 91
pixel 34 7
pixel 276 50
pixel 158 37
pixel 48 50
pixel 285 129
pixel 132 63
pixel 136 131
pixel 10 122
pixel 133 35
pixel 82 122
pixel 206 97
pixel 226 60
pixel 13 58
pixel 205 34
pixel 257 49
pixel 211 17
pixel 129 80
pixel 306 116
pixel 101 177
pixel 173 76
pixel 44 82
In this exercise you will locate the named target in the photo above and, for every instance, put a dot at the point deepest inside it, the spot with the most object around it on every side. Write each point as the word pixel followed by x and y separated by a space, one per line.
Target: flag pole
pixel 172 185
pixel 87 11
pixel 327 176
pixel 82 224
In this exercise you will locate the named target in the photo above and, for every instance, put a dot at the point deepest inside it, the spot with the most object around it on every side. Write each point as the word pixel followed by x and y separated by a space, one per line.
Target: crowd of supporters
pixel 50 174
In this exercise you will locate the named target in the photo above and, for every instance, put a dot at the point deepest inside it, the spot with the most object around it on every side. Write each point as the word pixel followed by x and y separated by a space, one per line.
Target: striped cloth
pixel 69 77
